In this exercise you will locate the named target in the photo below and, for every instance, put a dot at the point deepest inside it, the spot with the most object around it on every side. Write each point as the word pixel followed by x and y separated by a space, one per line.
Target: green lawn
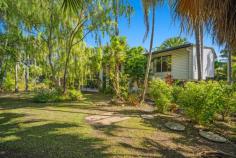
pixel 59 130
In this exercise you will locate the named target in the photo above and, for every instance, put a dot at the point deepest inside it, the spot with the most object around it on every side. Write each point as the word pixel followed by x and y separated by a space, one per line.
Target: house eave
pixel 181 47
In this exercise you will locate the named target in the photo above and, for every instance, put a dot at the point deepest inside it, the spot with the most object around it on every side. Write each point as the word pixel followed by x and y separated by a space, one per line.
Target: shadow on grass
pixel 24 100
pixel 189 140
pixel 45 139
pixel 152 147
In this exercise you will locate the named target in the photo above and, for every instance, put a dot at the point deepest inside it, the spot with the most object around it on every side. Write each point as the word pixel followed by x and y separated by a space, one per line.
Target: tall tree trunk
pixel 27 75
pixel 50 50
pixel 149 56
pixel 117 64
pixel 201 48
pixel 198 50
pixel 116 17
pixel 65 69
pixel 16 77
pixel 117 81
pixel 229 76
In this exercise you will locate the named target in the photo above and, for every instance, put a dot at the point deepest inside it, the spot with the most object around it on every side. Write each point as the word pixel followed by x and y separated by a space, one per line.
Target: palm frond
pixel 73 5
pixel 218 16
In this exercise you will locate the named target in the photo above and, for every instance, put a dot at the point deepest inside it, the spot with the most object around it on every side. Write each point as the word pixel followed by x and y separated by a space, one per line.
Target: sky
pixel 165 27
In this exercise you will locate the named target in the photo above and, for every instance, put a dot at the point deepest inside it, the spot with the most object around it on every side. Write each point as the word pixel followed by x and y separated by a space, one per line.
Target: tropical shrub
pixel 8 84
pixel 74 95
pixel 161 93
pixel 225 100
pixel 133 99
pixel 47 95
pixel 202 101
pixel 134 65
pixel 176 91
pixel 193 99
pixel 56 95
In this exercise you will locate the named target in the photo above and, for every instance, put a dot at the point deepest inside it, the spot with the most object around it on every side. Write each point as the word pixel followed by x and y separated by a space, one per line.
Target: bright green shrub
pixel 225 99
pixel 8 84
pixel 176 91
pixel 47 95
pixel 193 99
pixel 201 101
pixel 161 93
pixel 56 95
pixel 74 95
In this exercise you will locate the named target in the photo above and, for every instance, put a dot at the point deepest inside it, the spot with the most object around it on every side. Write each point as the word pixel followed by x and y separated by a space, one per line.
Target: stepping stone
pixel 175 126
pixel 98 117
pixel 105 118
pixel 110 120
pixel 212 136
pixel 145 116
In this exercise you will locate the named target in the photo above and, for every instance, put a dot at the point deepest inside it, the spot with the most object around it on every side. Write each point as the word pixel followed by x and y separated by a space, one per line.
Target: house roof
pixel 180 47
pixel 173 48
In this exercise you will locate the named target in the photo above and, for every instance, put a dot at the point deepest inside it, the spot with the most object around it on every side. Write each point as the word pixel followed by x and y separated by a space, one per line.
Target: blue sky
pixel 165 27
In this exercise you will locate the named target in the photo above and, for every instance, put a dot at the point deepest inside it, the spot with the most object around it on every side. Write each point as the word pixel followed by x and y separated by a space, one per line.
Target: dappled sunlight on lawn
pixel 57 130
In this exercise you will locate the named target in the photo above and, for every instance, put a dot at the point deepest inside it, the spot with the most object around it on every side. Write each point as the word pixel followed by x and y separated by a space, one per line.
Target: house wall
pixel 180 67
pixel 208 60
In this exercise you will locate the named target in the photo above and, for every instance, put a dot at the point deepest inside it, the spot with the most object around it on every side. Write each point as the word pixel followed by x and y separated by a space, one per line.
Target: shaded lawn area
pixel 59 130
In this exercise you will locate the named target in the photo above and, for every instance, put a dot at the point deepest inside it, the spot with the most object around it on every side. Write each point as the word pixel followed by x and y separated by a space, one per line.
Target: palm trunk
pixel 198 51
pixel 149 56
pixel 16 77
pixel 201 48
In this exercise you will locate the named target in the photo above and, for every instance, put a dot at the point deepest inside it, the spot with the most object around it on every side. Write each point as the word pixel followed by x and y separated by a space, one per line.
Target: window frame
pixel 169 66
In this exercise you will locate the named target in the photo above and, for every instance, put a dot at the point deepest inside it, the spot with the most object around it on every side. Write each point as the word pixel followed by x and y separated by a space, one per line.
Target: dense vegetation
pixel 202 102
pixel 44 52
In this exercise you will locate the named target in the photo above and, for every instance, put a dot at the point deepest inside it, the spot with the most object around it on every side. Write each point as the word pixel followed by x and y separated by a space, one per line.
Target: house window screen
pixel 163 64
pixel 158 64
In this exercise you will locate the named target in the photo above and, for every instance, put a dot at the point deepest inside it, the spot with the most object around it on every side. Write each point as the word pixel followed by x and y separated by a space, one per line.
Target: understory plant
pixel 176 90
pixel 225 100
pixel 8 84
pixel 161 94
pixel 202 101
pixel 56 95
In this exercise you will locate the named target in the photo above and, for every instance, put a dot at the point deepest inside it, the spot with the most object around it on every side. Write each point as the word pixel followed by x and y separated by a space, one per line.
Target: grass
pixel 59 130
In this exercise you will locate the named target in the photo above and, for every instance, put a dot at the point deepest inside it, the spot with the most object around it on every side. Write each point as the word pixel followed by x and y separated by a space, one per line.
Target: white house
pixel 181 62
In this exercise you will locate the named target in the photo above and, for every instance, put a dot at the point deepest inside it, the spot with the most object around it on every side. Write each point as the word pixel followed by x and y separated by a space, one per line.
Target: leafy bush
pixel 133 99
pixel 201 101
pixel 161 93
pixel 8 84
pixel 176 91
pixel 225 99
pixel 134 64
pixel 193 99
pixel 47 95
pixel 56 95
pixel 74 95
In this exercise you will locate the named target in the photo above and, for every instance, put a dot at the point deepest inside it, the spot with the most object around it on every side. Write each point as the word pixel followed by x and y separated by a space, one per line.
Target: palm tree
pixel 147 5
pixel 218 16
pixel 172 42
pixel 199 49
pixel 190 15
